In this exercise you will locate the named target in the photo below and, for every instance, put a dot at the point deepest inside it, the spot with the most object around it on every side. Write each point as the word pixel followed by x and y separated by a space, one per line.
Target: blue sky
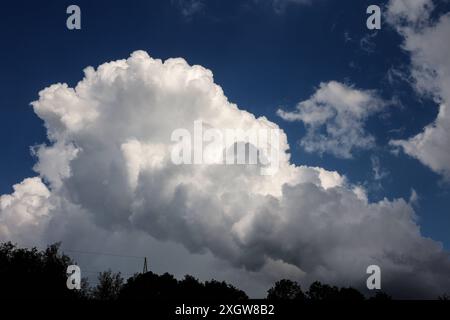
pixel 266 55
pixel 262 58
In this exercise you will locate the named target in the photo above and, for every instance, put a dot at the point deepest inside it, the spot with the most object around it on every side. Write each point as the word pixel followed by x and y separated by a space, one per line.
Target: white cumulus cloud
pixel 427 42
pixel 25 209
pixel 111 183
pixel 334 118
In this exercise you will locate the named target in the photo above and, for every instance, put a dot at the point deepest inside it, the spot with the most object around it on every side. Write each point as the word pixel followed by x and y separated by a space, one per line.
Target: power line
pixel 103 254
pixel 99 253
pixel 98 272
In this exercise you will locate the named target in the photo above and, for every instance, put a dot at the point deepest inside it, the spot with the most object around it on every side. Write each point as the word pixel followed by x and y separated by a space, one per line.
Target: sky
pixel 363 114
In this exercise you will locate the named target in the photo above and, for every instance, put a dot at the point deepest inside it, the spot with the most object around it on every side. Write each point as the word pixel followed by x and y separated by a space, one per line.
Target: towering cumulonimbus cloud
pixel 108 167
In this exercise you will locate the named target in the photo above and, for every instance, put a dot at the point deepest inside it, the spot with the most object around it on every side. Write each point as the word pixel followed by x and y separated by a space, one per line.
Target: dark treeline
pixel 31 274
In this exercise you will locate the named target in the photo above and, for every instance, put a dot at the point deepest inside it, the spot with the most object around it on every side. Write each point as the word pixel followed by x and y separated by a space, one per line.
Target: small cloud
pixel 414 198
pixel 397 131
pixel 347 37
pixel 281 5
pixel 379 173
pixel 353 65
pixel 188 8
pixel 367 44
pixel 398 75
pixel 334 118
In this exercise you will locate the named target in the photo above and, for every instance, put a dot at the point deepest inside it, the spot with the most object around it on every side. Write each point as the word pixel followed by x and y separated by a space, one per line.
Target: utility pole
pixel 145 265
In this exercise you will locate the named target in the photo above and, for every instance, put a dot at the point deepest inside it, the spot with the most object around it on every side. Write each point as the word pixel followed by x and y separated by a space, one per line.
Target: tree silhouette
pixel 165 287
pixel 109 286
pixel 190 287
pixel 222 291
pixel 322 292
pixel 33 274
pixel 291 290
pixel 444 297
pixel 286 290
pixel 149 286
pixel 381 297
pixel 350 294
